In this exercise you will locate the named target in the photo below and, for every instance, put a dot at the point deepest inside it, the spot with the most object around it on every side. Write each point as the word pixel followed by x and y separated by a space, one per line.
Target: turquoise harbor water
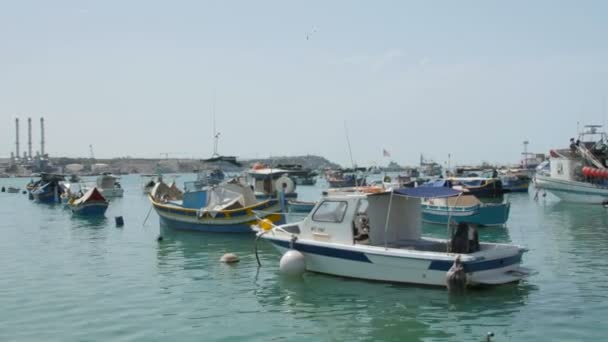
pixel 70 279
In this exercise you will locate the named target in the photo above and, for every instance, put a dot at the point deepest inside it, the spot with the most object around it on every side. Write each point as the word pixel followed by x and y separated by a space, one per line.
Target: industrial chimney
pixel 17 137
pixel 29 137
pixel 42 136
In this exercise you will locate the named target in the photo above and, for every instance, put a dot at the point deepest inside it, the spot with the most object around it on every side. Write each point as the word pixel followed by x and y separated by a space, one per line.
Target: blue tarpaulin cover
pixel 427 192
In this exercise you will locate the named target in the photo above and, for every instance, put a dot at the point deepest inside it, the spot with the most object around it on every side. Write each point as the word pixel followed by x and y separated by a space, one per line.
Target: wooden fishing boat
pixel 226 208
pixel 92 203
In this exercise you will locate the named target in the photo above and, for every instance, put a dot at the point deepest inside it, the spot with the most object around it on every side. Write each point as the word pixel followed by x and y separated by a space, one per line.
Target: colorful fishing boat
pixel 465 208
pixel 481 187
pixel 48 189
pixel 378 237
pixel 226 208
pixel 515 182
pixel 299 174
pixel 346 178
pixel 92 203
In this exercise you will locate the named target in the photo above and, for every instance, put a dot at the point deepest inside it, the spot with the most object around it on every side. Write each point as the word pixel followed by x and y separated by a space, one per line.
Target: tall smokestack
pixel 29 137
pixel 17 137
pixel 42 136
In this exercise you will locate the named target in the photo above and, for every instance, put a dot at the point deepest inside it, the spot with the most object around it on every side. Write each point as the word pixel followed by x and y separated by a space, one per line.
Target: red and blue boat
pixel 92 203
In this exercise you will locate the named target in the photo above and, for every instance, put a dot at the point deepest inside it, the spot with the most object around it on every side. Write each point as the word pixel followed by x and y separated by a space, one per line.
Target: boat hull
pixel 572 191
pixel 90 209
pixel 378 266
pixel 484 215
pixel 235 222
pixel 46 195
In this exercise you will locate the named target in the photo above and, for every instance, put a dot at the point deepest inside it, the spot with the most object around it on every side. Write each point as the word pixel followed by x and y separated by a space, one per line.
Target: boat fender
pixel 456 278
pixel 229 258
pixel 3 189
pixel 292 263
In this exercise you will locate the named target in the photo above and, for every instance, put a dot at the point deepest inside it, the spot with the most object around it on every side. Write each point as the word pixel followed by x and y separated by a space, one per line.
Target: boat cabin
pixel 107 181
pixel 270 181
pixel 388 219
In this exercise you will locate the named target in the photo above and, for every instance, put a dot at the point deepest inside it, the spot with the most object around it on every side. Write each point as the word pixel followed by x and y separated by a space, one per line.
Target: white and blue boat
pixel 379 237
pixel 226 208
pixel 92 203
pixel 465 208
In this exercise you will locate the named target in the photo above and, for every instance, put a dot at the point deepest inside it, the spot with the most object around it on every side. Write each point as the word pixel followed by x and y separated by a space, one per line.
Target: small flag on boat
pixel 385 153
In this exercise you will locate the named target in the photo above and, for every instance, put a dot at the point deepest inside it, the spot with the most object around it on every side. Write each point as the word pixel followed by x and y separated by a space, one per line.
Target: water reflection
pixel 380 311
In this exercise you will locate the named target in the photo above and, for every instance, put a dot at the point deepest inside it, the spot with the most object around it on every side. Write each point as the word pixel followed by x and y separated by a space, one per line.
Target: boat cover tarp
pixel 93 195
pixel 223 199
pixel 427 192
pixel 228 196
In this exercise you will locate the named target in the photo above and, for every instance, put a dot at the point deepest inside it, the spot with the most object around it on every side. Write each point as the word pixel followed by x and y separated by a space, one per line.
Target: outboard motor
pixel 456 278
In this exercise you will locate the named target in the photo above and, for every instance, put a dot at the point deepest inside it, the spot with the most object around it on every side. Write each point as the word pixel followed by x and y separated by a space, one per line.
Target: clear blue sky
pixel 470 78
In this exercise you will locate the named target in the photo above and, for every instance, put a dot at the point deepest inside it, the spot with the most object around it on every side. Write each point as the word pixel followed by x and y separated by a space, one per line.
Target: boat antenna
pixel 350 152
pixel 216 134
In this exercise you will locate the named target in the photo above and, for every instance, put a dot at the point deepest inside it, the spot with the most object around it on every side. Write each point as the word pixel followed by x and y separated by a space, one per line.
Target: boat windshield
pixel 330 211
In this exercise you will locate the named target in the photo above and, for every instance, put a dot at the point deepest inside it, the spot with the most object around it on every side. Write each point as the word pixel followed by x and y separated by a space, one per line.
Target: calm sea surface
pixel 69 279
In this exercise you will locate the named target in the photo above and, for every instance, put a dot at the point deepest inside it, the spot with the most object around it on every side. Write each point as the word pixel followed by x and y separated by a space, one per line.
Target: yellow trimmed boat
pixel 226 208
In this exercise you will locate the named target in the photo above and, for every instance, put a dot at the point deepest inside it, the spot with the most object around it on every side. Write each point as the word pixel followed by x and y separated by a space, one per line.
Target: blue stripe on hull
pixel 211 228
pixel 435 265
pixel 325 251
pixel 477 266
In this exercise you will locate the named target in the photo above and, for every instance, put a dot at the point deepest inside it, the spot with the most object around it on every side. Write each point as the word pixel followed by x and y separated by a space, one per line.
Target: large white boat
pixel 378 237
pixel 578 173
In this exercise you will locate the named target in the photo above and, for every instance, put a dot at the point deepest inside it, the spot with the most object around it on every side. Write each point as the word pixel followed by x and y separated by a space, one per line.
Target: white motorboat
pixel 579 173
pixel 109 186
pixel 378 237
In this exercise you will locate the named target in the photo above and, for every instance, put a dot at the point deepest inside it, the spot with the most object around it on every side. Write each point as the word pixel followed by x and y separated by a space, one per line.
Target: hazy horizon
pixel 469 79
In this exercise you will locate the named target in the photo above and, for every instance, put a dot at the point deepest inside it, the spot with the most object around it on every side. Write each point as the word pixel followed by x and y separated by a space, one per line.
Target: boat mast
pixel 216 135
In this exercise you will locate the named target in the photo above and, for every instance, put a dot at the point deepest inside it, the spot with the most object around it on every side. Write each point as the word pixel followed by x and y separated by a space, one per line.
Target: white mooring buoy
pixel 292 263
pixel 229 258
